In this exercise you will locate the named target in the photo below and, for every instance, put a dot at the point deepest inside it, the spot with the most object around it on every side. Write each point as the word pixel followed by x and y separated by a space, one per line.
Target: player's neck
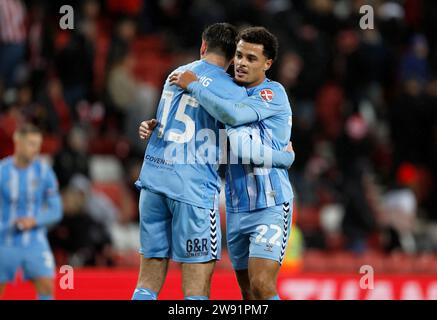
pixel 256 83
pixel 21 162
pixel 215 59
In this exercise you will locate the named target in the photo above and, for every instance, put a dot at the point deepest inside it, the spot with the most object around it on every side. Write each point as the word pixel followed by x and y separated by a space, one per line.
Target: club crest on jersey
pixel 266 95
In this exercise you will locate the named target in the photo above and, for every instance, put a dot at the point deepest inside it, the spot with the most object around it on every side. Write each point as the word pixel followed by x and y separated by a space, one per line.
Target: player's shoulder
pixel 204 69
pixel 275 87
pixel 188 66
pixel 200 66
pixel 272 92
pixel 42 165
pixel 220 82
pixel 5 162
pixel 229 88
pixel 192 66
pixel 223 78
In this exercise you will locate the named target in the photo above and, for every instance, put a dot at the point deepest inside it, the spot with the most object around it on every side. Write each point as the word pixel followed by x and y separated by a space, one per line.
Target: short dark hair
pixel 260 35
pixel 220 38
pixel 27 128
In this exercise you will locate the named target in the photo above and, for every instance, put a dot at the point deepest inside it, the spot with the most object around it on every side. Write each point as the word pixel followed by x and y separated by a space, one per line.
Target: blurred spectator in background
pixel 117 218
pixel 56 116
pixel 73 158
pixel 408 123
pixel 330 105
pixel 119 53
pixel 359 218
pixel 10 119
pixel 430 146
pixel 27 104
pixel 75 62
pixel 80 240
pixel 98 206
pixel 414 63
pixel 353 148
pixel 400 212
pixel 74 65
pixel 131 99
pixel 12 40
pixel 122 39
pixel 311 44
pixel 40 46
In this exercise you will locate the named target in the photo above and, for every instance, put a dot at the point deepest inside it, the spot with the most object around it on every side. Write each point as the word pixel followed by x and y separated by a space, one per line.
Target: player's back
pixel 181 159
pixel 249 187
pixel 21 195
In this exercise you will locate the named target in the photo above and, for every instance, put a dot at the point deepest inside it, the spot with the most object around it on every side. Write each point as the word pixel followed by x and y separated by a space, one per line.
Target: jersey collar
pixel 251 90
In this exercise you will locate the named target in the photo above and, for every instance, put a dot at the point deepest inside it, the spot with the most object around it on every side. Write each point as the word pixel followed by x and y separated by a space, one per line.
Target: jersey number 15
pixel 188 133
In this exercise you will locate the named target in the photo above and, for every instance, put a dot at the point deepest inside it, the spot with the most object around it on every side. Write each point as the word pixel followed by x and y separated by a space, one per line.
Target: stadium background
pixel 364 131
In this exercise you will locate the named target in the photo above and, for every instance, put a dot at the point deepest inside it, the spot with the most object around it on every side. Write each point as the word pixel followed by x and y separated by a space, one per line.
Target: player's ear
pixel 203 48
pixel 268 64
pixel 15 136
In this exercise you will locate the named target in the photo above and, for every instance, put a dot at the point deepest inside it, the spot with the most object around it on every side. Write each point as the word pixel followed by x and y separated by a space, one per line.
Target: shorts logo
pixel 269 247
pixel 213 233
pixel 266 95
pixel 286 217
pixel 196 247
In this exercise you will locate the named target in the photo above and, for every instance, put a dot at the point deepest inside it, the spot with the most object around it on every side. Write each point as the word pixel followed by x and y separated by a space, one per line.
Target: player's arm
pixel 223 110
pixel 252 151
pixel 52 212
pixel 228 111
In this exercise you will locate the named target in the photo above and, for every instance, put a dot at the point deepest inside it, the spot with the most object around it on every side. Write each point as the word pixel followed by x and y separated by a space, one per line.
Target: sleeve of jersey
pixel 268 102
pixel 251 151
pixel 3 226
pixel 52 212
pixel 227 111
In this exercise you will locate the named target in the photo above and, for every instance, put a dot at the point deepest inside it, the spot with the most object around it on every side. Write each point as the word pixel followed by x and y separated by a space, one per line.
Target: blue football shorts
pixel 261 233
pixel 35 262
pixel 178 230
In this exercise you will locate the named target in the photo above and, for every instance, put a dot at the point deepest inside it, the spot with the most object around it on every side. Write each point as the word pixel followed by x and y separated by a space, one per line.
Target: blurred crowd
pixel 364 108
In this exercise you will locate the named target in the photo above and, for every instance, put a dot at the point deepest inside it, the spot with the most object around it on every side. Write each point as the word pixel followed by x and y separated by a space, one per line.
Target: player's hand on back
pixel 290 147
pixel 146 128
pixel 182 79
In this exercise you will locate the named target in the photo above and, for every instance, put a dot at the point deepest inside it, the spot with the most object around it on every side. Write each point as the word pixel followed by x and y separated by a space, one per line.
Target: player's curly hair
pixel 260 35
pixel 220 38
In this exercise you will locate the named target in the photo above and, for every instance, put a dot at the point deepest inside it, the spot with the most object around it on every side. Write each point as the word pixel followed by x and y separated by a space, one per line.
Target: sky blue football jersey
pixel 182 156
pixel 31 191
pixel 249 187
pixel 265 114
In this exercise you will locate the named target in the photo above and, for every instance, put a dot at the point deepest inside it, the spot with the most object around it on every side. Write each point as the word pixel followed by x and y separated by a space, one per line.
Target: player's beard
pixel 241 83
